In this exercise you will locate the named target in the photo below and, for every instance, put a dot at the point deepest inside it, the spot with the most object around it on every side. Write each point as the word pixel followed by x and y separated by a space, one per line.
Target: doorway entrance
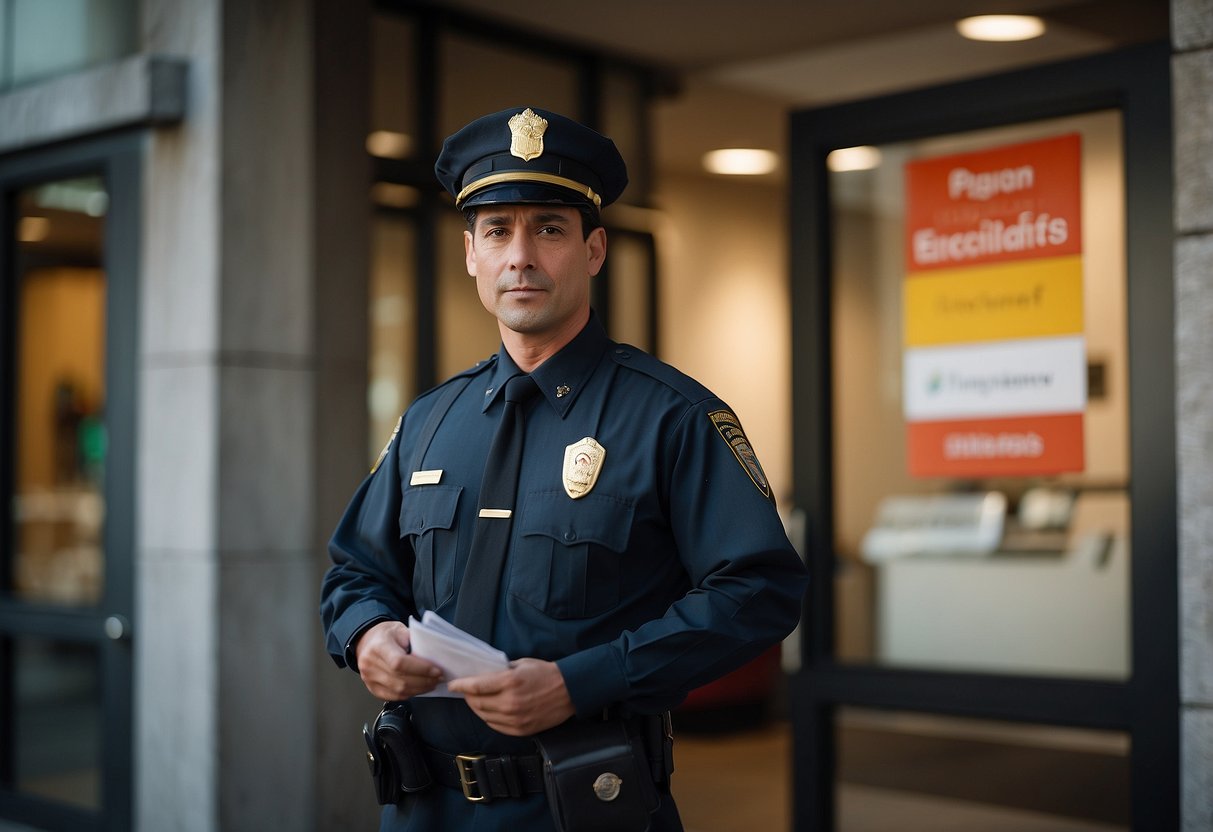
pixel 68 254
pixel 985 452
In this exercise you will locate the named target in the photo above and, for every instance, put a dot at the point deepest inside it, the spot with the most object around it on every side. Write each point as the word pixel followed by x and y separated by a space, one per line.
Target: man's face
pixel 533 268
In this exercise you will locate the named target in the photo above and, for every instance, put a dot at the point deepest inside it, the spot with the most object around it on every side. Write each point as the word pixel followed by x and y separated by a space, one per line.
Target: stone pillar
pixel 252 417
pixel 1192 71
pixel 176 575
pixel 266 367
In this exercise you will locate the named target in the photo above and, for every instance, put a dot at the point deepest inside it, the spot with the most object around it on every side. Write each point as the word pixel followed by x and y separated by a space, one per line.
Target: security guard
pixel 640 554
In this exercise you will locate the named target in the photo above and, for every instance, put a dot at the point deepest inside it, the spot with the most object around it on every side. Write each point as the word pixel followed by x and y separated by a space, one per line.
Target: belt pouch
pixel 596 777
pixel 395 756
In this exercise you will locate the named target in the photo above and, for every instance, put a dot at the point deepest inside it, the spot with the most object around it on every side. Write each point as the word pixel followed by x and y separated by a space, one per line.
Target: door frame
pixel 1136 82
pixel 108 626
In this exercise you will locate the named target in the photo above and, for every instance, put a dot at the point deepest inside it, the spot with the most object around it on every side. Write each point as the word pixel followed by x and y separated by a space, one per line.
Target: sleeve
pixel 370 579
pixel 747 582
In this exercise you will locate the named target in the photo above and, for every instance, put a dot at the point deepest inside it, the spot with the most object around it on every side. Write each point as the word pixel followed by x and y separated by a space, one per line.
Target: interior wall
pixel 723 304
pixel 62 342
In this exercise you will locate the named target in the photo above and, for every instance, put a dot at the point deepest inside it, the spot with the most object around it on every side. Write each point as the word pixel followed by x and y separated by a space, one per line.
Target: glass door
pixel 66 609
pixel 982 486
pixel 986 454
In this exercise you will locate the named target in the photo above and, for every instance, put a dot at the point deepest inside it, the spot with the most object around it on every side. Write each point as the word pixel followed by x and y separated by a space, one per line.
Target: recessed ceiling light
pixel 863 157
pixel 740 161
pixel 388 144
pixel 1001 27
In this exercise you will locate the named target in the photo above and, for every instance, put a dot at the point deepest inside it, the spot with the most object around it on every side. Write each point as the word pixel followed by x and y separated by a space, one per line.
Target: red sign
pixel 1023 446
pixel 1016 202
pixel 994 363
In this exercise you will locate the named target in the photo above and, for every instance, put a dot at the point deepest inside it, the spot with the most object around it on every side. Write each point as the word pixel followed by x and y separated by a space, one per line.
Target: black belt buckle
pixel 474 777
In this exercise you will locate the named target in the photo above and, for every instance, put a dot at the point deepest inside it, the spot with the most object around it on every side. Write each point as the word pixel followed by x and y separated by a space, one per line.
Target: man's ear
pixel 595 249
pixel 469 253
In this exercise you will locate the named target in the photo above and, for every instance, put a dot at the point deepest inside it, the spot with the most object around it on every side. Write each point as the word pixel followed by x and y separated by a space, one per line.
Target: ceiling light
pixel 740 161
pixel 1001 27
pixel 863 157
pixel 83 196
pixel 388 144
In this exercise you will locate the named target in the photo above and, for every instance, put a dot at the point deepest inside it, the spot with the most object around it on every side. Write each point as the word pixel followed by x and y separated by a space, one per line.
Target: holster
pixel 659 742
pixel 598 777
pixel 394 755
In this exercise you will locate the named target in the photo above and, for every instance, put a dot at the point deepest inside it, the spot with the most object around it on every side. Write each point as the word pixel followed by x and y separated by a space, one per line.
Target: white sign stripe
pixel 1002 378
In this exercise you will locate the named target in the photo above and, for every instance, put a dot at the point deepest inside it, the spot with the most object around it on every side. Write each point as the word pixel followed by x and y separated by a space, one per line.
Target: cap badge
pixel 526 135
pixel 582 463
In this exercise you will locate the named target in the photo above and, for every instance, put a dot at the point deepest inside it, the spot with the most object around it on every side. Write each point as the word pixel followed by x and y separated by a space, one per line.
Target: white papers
pixel 458 653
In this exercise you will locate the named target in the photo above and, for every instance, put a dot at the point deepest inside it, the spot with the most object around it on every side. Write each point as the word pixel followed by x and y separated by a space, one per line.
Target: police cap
pixel 526 155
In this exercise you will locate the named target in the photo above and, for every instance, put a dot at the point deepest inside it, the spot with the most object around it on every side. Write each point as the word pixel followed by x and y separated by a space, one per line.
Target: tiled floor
pixel 740 782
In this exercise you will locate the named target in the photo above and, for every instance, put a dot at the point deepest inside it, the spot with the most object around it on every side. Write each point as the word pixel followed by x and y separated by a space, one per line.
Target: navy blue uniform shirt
pixel 673 570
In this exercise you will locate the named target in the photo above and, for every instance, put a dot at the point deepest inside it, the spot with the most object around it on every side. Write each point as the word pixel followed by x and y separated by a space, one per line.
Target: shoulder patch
pixel 730 430
pixel 388 446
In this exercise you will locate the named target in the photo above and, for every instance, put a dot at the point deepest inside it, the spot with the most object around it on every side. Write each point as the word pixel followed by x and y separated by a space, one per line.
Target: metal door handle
pixel 117 628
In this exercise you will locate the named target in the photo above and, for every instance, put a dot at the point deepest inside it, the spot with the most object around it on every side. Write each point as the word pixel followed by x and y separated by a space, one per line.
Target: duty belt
pixel 483 778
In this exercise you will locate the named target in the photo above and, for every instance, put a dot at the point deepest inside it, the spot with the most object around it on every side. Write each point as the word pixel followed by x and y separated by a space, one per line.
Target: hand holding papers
pixel 458 653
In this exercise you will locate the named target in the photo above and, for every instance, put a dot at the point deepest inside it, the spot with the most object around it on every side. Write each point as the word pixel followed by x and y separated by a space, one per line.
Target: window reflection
pixel 630 270
pixel 41 40
pixel 466 332
pixel 393 316
pixel 1046 592
pixel 935 772
pixel 60 437
pixel 393 129
pixel 57 725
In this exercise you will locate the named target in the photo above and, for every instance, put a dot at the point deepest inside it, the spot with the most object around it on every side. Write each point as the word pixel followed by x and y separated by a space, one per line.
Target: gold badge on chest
pixel 582 463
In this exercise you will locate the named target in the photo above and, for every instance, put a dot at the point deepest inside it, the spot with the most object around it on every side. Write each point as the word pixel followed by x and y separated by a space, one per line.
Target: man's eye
pixel 494 232
pixel 551 229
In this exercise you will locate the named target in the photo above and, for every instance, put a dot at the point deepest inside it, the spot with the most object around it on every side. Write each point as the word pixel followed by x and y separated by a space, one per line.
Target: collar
pixel 560 378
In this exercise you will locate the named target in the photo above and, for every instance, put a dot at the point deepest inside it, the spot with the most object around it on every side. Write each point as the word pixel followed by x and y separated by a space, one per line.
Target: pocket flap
pixel 428 507
pixel 595 518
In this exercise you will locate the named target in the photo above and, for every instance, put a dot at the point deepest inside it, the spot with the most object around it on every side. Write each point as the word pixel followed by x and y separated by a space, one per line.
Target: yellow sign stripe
pixel 1023 299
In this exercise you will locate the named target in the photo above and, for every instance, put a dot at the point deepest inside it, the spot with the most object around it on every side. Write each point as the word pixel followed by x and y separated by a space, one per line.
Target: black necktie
pixel 477 603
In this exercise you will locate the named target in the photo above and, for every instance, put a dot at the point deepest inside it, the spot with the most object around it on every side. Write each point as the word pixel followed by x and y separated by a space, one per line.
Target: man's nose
pixel 522 252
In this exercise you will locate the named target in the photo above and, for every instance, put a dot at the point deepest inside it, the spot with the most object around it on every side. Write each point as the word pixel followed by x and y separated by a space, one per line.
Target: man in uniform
pixel 635 552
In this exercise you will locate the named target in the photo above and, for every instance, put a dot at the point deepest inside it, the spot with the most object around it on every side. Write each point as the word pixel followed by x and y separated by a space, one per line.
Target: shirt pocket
pixel 427 519
pixel 569 553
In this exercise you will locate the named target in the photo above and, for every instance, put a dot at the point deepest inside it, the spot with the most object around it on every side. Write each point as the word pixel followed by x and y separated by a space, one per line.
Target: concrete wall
pixel 724 305
pixel 1192 68
pixel 176 641
pixel 252 417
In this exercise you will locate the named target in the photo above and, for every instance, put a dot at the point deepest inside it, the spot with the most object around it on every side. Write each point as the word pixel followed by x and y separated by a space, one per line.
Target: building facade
pixel 242 294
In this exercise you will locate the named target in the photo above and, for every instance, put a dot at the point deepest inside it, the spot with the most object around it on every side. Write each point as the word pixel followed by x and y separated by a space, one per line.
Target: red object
pixel 1002 186
pixel 1015 446
pixel 752 682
